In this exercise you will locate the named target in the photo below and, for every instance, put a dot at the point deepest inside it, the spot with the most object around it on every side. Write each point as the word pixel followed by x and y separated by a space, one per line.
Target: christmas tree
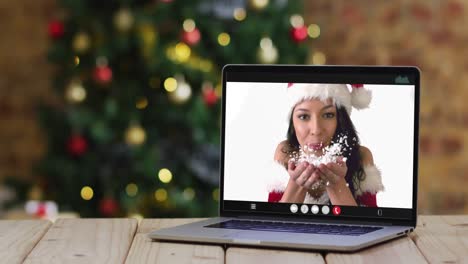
pixel 138 129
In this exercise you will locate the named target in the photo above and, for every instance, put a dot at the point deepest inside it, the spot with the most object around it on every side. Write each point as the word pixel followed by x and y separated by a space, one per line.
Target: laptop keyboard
pixel 296 227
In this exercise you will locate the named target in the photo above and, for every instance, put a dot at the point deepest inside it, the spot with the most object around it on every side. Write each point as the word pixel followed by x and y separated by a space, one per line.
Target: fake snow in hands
pixel 330 154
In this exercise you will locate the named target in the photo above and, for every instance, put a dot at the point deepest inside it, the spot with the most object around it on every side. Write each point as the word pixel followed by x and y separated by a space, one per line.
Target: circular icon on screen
pixel 325 209
pixel 314 209
pixel 304 209
pixel 336 210
pixel 293 208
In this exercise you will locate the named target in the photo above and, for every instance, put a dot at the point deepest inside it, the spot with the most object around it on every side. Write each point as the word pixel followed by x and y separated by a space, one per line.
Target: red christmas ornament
pixel 41 210
pixel 209 97
pixel 56 29
pixel 102 74
pixel 191 37
pixel 108 206
pixel 299 34
pixel 77 145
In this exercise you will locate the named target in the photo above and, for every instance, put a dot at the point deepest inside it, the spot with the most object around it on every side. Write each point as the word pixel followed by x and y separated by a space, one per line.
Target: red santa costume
pixel 359 98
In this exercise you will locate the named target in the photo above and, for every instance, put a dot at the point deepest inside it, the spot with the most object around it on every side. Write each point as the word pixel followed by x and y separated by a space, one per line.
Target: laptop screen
pixel 311 141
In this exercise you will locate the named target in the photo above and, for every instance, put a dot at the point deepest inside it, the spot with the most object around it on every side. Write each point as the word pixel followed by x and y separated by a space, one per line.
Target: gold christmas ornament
pixel 179 53
pixel 160 195
pixel 258 4
pixel 189 25
pixel 266 43
pixel 182 93
pixel 148 34
pixel 296 21
pixel 224 39
pixel 148 37
pixel 267 56
pixel 76 60
pixel 188 193
pixel 81 42
pixel 141 103
pixel 75 92
pixel 87 193
pixel 135 135
pixel 131 189
pixel 170 84
pixel 123 20
pixel 313 30
pixel 182 52
pixel 239 14
pixel 318 58
pixel 165 175
pixel 267 53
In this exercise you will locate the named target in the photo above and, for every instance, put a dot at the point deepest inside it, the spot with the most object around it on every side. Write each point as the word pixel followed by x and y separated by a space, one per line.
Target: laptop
pixel 314 157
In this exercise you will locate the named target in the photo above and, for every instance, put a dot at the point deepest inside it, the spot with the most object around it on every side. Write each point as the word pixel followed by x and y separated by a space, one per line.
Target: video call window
pixel 319 143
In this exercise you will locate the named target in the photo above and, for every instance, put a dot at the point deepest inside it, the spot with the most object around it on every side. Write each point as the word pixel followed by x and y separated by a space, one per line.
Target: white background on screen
pixel 256 121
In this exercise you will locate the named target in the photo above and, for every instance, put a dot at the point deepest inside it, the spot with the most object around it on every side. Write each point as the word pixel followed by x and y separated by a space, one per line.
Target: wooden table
pixel 437 239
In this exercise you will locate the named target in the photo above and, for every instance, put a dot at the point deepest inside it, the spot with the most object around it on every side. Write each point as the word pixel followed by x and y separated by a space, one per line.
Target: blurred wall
pixel 431 35
pixel 24 79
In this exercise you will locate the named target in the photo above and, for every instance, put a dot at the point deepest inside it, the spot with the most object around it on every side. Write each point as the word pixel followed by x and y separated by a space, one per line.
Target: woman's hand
pixel 334 172
pixel 334 176
pixel 304 174
pixel 299 177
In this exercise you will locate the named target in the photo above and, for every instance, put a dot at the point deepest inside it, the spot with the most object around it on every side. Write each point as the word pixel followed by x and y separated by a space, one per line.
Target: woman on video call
pixel 319 121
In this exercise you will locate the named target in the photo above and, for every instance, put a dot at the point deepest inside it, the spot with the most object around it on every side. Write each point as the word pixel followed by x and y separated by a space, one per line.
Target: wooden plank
pixel 85 241
pixel 442 239
pixel 270 256
pixel 144 250
pixel 401 250
pixel 148 225
pixel 18 238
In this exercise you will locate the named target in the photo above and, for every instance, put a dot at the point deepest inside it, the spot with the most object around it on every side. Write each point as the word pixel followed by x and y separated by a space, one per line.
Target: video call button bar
pixel 307 210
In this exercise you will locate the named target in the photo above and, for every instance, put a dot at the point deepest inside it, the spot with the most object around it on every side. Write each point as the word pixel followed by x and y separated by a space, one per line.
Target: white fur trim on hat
pixel 360 97
pixel 372 182
pixel 299 92
pixel 277 177
pixel 340 94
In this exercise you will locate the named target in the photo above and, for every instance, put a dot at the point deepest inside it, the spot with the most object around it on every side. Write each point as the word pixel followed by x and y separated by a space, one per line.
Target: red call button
pixel 336 210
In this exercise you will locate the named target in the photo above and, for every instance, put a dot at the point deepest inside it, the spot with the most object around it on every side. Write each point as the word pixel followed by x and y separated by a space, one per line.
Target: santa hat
pixel 358 97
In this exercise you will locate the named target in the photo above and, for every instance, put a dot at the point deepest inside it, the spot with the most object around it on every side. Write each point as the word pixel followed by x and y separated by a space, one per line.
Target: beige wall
pixel 429 34
pixel 433 36
pixel 24 79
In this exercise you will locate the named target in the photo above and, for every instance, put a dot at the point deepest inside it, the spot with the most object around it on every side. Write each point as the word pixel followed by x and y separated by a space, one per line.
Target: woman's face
pixel 315 124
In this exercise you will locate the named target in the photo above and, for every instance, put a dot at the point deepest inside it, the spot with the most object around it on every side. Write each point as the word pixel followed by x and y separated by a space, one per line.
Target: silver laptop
pixel 314 157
